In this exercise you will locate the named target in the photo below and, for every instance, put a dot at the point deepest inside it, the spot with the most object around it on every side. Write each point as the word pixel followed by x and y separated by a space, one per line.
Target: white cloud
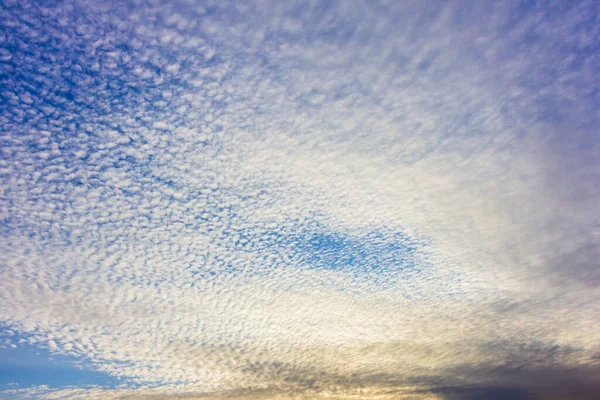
pixel 162 227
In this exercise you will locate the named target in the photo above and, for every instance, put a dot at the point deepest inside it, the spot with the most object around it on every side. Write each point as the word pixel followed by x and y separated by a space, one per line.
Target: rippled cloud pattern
pixel 312 199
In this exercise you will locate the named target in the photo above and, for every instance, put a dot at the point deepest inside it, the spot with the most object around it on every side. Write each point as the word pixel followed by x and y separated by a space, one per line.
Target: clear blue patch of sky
pixel 377 258
pixel 28 365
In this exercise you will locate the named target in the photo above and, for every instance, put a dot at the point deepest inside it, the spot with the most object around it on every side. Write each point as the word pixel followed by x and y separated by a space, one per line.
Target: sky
pixel 300 199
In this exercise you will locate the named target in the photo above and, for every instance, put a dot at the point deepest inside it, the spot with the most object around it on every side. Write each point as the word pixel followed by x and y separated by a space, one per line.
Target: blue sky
pixel 313 199
pixel 25 366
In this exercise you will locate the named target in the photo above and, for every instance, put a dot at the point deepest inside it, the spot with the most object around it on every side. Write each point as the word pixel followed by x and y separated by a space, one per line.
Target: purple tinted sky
pixel 384 199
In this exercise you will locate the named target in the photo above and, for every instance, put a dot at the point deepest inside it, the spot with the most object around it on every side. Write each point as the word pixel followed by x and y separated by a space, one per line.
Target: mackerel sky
pixel 300 199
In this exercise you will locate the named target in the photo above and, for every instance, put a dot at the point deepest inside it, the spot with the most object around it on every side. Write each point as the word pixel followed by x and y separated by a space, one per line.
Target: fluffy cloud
pixel 325 199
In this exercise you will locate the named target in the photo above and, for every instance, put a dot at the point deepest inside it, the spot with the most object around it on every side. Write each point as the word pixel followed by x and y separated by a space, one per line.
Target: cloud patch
pixel 213 200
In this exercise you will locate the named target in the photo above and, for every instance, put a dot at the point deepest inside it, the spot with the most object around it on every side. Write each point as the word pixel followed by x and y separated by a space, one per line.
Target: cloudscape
pixel 300 199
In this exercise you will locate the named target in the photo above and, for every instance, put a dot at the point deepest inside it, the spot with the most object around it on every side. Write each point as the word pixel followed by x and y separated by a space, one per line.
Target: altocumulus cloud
pixel 312 199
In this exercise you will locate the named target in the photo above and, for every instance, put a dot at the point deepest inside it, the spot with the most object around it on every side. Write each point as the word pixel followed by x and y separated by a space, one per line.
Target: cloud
pixel 271 200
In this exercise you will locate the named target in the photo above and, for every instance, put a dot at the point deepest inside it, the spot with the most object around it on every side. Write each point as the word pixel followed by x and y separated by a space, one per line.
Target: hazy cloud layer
pixel 276 199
